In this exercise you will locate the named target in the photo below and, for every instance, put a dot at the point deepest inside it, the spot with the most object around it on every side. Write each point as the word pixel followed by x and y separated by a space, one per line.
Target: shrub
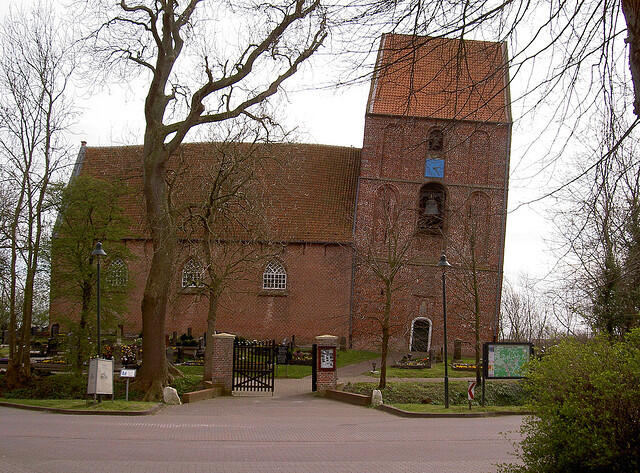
pixel 498 393
pixel 586 400
pixel 58 386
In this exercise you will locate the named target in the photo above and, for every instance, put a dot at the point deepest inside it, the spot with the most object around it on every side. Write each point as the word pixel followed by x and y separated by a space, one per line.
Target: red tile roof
pixel 307 191
pixel 440 78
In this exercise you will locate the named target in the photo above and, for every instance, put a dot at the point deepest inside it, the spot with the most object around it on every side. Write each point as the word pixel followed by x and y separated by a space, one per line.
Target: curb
pixel 56 410
pixel 403 413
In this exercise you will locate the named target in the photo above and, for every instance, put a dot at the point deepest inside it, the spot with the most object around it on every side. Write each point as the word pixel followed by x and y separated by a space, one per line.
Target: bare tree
pixel 598 235
pixel 525 315
pixel 385 259
pixel 158 37
pixel 227 220
pixel 33 114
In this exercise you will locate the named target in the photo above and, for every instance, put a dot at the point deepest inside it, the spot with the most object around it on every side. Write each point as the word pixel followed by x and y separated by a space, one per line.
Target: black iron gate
pixel 254 365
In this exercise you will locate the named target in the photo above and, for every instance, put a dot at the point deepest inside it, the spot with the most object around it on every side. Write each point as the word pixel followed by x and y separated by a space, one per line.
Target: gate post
pixel 326 362
pixel 223 361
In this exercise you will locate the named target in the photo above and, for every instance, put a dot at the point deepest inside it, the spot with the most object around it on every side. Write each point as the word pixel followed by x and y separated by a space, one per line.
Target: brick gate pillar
pixel 326 359
pixel 223 361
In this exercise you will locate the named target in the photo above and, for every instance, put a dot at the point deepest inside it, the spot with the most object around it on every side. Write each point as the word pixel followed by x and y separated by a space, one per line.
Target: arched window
pixel 274 276
pixel 117 273
pixel 192 273
pixel 431 208
pixel 435 140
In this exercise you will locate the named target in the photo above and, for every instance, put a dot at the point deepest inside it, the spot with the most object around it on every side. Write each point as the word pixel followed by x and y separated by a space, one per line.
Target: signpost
pixel 471 392
pixel 127 374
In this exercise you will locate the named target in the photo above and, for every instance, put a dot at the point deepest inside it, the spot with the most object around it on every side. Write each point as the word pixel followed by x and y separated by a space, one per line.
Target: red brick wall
pixel 476 157
pixel 317 299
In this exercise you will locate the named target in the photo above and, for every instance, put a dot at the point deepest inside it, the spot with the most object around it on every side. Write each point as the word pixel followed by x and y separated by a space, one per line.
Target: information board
pixel 505 360
pixel 281 355
pixel 327 358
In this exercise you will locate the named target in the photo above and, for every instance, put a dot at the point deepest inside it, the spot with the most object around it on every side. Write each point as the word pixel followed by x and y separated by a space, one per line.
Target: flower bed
pixel 417 366
pixel 458 366
pixel 408 362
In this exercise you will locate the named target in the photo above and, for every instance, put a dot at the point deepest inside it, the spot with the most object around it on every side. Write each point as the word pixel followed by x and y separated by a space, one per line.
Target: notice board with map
pixel 506 360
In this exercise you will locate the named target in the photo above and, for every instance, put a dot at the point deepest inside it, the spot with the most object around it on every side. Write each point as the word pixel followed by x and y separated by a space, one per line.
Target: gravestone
pixel 457 349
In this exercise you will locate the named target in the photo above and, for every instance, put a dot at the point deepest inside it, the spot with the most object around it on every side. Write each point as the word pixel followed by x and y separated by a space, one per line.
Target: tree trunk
pixel 631 10
pixel 211 327
pixel 476 309
pixel 154 374
pixel 385 339
pixel 13 366
pixel 79 359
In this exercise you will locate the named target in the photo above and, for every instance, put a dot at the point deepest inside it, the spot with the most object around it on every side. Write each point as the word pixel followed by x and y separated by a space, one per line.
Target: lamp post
pixel 98 252
pixel 444 264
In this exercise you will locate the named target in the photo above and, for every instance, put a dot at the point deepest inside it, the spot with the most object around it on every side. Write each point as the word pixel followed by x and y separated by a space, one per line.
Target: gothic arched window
pixel 192 273
pixel 117 273
pixel 274 276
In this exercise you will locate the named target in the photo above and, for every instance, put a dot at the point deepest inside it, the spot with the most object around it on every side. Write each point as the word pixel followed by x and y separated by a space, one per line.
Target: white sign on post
pixel 127 373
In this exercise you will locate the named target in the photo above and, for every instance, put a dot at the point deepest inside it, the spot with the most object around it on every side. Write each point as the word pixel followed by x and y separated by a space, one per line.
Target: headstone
pixel 457 349
pixel 376 398
pixel 170 396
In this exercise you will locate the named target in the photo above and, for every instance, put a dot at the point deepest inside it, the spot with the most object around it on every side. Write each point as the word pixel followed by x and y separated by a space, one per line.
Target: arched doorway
pixel 420 339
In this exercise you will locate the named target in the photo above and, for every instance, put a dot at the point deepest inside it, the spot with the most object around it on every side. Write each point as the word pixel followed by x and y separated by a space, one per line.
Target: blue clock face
pixel 434 168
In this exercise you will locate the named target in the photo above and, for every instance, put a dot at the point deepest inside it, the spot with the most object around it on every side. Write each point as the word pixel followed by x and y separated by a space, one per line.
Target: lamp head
pixel 443 263
pixel 98 251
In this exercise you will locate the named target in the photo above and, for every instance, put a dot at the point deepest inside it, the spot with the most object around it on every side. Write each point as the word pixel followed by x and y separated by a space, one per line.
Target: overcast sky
pixel 114 116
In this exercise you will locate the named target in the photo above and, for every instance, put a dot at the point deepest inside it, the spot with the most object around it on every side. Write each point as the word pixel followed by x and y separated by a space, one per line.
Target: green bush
pixel 57 386
pixel 586 400
pixel 74 386
pixel 498 393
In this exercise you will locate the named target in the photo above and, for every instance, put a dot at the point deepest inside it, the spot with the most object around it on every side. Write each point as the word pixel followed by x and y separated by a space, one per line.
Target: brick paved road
pixel 291 432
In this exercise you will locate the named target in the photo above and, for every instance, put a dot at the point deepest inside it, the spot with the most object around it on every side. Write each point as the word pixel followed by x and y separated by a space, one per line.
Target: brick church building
pixel 431 176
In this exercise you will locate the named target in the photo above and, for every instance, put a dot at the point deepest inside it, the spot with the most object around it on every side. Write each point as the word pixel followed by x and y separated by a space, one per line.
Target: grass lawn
pixel 191 370
pixel 81 404
pixel 345 358
pixel 437 371
pixel 351 357
pixel 436 409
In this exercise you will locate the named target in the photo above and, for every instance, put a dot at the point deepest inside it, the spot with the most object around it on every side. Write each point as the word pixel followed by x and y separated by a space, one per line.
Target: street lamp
pixel 444 264
pixel 98 252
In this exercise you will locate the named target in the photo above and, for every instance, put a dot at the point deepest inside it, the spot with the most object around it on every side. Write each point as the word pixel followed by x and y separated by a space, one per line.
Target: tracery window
pixel 117 273
pixel 274 276
pixel 192 273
